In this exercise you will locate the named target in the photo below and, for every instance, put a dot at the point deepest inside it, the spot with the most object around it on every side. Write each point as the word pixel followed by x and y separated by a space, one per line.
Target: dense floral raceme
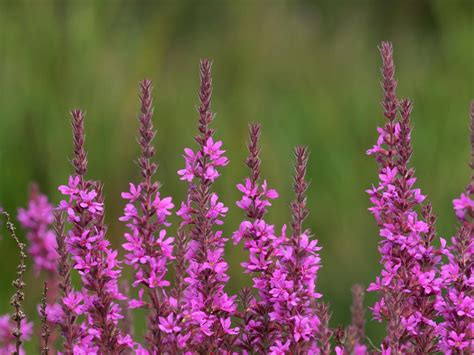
pixel 409 282
pixel 293 293
pixel 207 307
pixel 179 273
pixel 148 248
pixel 93 258
pixel 37 221
pixel 258 331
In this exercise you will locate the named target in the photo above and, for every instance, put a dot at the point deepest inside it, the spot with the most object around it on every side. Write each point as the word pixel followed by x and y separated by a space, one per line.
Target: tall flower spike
pixel 409 282
pixel 456 305
pixel 93 258
pixel 294 279
pixel 259 239
pixel 36 220
pixel 148 248
pixel 208 307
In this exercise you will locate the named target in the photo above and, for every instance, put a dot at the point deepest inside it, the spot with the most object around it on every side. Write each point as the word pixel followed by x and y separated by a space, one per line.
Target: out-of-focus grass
pixel 307 70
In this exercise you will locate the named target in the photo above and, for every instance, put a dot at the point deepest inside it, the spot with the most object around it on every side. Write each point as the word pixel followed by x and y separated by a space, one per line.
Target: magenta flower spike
pixel 148 248
pixel 456 304
pixel 409 282
pixel 293 293
pixel 93 258
pixel 207 307
pixel 37 221
pixel 258 334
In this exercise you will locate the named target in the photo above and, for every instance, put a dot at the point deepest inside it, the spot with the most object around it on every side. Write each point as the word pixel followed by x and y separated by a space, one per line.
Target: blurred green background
pixel 307 70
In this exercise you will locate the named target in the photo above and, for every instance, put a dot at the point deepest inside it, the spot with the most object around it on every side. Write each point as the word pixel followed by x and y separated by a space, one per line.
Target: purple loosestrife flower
pixel 463 206
pixel 358 350
pixel 456 305
pixel 37 220
pixel 207 306
pixel 148 248
pixel 93 258
pixel 409 281
pixel 293 294
pixel 260 240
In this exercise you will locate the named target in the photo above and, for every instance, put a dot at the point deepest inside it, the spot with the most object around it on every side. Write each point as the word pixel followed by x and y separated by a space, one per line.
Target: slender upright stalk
pixel 45 332
pixel 19 284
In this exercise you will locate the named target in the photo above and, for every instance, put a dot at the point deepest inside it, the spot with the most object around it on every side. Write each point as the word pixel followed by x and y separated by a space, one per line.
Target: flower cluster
pixel 464 207
pixel 194 166
pixel 149 250
pixel 261 242
pixel 293 292
pixel 206 306
pixel 93 258
pixel 98 267
pixel 409 281
pixel 428 305
pixel 36 220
